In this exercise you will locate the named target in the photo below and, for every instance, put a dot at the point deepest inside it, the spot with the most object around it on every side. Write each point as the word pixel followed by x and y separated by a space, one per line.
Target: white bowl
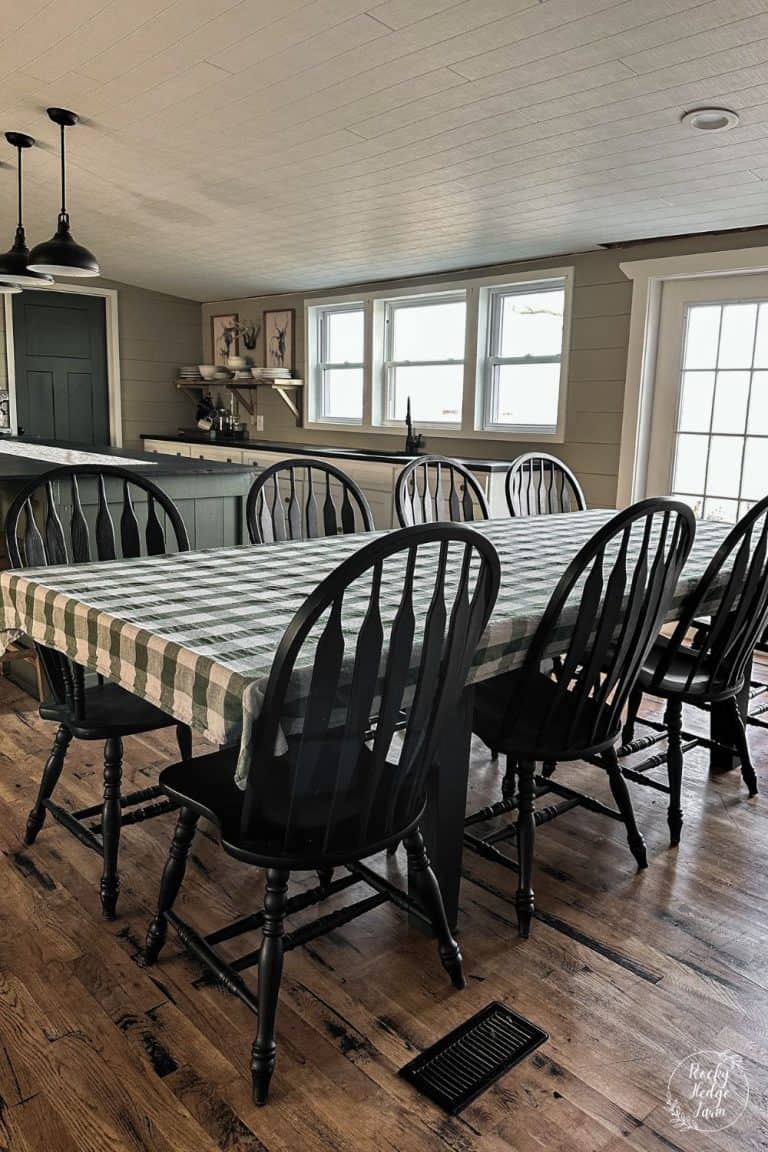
pixel 207 371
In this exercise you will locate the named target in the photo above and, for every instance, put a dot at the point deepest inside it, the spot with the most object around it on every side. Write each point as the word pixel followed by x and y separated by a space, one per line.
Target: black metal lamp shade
pixel 14 270
pixel 62 255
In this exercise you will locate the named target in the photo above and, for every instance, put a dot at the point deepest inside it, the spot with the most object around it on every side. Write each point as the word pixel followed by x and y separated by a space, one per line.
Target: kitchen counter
pixel 18 466
pixel 324 450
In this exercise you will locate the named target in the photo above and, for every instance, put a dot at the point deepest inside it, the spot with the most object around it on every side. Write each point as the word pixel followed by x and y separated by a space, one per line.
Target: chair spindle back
pixel 304 499
pixel 436 489
pixel 538 484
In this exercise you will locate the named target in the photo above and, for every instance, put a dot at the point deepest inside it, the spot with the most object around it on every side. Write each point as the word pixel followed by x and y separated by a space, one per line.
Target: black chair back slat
pixel 155 534
pixel 436 489
pixel 130 538
pixel 79 535
pixel 736 581
pixel 538 484
pixel 335 791
pixel 26 548
pixel 106 545
pixel 55 544
pixel 602 620
pixel 343 506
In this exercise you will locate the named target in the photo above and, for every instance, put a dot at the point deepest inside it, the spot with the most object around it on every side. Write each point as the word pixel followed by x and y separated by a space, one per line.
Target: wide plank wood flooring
pixel 629 974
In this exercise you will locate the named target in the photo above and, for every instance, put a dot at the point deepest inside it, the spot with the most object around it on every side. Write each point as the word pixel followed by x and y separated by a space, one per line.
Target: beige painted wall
pixel 599 338
pixel 157 334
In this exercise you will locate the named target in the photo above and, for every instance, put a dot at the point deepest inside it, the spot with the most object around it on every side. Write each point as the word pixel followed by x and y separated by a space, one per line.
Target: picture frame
pixel 279 327
pixel 225 341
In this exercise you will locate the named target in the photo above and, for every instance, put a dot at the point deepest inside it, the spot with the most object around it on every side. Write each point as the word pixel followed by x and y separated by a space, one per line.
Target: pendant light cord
pixel 18 182
pixel 63 178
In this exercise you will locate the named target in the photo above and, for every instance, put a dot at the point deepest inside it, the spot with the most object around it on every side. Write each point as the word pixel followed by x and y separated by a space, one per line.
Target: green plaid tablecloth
pixel 196 633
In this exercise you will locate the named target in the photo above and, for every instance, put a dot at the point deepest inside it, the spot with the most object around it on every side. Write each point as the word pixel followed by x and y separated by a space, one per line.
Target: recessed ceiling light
pixel 710 119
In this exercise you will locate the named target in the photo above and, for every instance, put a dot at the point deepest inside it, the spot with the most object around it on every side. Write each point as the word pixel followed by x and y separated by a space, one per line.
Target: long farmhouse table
pixel 196 633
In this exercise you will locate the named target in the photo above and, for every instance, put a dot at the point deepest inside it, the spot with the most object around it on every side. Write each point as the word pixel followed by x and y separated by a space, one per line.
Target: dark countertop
pixel 369 454
pixel 20 468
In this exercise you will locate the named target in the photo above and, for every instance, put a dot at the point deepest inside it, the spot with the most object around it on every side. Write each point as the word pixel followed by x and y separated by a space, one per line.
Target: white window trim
pixel 316 365
pixel 475 356
pixel 648 278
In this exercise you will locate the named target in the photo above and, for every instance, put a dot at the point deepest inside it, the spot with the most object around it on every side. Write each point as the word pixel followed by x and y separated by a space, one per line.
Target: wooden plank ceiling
pixel 235 147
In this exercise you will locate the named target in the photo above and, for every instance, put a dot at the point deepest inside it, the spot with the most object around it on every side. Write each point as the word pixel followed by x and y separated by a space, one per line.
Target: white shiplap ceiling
pixel 235 147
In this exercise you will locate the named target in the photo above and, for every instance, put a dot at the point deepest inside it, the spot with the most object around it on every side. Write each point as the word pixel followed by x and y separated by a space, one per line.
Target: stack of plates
pixel 189 372
pixel 272 373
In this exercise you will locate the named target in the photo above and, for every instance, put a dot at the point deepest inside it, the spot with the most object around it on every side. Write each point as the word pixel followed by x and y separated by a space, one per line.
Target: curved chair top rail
pixel 393 631
pixel 331 503
pixel 437 489
pixel 610 602
pixel 539 484
pixel 738 574
pixel 48 524
pixel 50 543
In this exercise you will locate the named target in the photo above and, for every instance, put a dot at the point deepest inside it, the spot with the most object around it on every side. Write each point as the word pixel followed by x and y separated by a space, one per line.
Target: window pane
pixel 344 337
pixel 696 401
pixel 342 394
pixel 761 342
pixel 737 335
pixel 526 394
pixel 730 414
pixel 701 336
pixel 755 481
pixel 724 468
pixel 532 324
pixel 695 503
pixel 758 404
pixel 435 393
pixel 724 510
pixel 429 331
pixel 690 463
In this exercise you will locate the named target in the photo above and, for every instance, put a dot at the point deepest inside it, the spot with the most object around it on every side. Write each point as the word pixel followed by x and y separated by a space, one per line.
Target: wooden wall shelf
pixel 284 388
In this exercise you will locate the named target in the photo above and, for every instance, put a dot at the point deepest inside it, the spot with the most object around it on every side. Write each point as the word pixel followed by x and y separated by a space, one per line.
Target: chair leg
pixel 184 741
pixel 270 974
pixel 428 891
pixel 173 874
pixel 325 878
pixel 742 746
pixel 624 805
pixel 633 707
pixel 526 832
pixel 673 719
pixel 509 782
pixel 50 778
pixel 110 825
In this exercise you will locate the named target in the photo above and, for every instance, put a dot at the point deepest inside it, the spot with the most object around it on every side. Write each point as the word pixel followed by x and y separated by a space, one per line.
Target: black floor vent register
pixel 460 1067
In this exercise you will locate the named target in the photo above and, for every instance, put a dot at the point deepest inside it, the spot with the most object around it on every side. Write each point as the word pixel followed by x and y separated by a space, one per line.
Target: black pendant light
pixel 14 271
pixel 62 255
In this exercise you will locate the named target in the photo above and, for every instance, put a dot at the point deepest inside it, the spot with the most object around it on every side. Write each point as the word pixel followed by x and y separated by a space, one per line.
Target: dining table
pixel 196 633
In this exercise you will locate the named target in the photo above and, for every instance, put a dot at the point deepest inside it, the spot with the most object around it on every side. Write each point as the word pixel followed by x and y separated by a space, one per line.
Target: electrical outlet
pixel 259 423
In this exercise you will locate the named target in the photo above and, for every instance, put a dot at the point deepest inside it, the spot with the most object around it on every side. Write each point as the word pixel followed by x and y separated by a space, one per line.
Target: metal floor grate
pixel 457 1069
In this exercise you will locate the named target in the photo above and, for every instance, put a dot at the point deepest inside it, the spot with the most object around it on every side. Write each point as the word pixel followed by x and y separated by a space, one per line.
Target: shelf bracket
pixel 289 400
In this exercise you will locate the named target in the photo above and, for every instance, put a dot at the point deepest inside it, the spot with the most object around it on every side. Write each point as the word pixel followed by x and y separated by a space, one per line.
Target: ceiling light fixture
pixel 14 269
pixel 62 255
pixel 710 119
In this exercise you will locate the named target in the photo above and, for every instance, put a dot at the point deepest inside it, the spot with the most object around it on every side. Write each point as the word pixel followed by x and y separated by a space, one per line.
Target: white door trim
pixel 648 278
pixel 114 385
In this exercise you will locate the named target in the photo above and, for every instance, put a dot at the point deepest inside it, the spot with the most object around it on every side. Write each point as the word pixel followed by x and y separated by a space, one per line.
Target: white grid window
pixel 720 464
pixel 338 365
pixel 424 340
pixel 523 378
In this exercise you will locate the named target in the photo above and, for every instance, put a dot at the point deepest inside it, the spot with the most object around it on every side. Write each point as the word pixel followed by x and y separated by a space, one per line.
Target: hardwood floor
pixel 629 974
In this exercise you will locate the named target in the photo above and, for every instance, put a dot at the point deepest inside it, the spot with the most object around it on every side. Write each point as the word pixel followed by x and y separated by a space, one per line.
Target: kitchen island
pixel 210 495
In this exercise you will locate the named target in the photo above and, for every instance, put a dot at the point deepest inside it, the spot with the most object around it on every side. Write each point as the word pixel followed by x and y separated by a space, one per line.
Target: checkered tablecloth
pixel 196 633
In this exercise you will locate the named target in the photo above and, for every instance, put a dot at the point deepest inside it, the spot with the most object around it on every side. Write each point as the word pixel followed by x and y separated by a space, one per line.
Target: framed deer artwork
pixel 279 338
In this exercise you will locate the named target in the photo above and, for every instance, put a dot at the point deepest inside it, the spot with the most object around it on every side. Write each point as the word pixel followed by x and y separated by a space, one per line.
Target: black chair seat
pixel 110 712
pixel 207 785
pixel 532 737
pixel 687 675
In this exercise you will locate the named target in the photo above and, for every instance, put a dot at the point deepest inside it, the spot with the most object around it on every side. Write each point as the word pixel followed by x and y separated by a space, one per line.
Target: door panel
pixel 61 367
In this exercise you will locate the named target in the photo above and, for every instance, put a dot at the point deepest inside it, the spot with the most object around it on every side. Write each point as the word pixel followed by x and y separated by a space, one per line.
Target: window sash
pixel 494 360
pixel 390 365
pixel 323 366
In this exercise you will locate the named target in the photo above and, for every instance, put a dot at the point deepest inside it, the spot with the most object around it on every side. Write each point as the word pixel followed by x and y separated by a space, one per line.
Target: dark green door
pixel 61 367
